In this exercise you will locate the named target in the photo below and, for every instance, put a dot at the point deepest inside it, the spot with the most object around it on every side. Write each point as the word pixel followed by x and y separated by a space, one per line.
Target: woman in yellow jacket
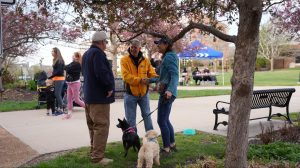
pixel 137 73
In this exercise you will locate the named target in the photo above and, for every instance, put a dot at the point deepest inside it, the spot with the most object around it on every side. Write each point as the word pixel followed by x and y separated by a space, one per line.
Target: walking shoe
pixel 164 153
pixel 173 148
pixel 58 113
pixel 66 116
pixel 105 161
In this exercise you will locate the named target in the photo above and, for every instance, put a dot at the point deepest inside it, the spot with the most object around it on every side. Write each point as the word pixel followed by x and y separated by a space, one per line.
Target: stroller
pixel 41 88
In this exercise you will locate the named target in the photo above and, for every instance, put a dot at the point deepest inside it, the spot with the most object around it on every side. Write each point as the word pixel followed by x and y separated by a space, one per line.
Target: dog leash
pixel 164 100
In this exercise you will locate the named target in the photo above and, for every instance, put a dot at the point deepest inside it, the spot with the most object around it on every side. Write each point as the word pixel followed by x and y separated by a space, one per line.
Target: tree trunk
pixel 115 65
pixel 242 83
pixel 272 64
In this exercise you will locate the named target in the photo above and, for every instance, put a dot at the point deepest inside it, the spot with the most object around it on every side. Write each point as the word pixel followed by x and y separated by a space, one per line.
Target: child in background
pixel 50 97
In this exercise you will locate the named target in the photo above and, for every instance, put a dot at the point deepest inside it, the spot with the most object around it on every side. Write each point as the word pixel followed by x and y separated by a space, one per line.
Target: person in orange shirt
pixel 58 78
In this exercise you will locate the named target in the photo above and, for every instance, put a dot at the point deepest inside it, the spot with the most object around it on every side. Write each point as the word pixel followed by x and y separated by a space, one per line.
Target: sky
pixel 67 52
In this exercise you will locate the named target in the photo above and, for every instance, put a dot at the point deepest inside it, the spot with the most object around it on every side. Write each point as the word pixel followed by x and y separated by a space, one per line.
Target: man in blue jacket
pixel 98 95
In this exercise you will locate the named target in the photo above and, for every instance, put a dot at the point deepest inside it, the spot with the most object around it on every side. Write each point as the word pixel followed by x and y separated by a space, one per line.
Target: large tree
pixel 141 17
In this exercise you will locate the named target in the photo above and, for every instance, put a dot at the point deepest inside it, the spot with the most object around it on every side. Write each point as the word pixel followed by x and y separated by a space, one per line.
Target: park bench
pixel 261 99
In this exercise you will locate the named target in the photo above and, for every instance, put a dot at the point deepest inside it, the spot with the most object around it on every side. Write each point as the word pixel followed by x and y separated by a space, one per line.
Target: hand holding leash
pixel 168 94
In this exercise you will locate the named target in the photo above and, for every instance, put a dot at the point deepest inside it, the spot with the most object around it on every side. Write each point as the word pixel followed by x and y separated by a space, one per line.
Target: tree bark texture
pixel 250 12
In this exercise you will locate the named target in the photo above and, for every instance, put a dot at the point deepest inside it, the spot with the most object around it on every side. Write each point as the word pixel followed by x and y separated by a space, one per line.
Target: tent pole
pixel 223 70
pixel 179 68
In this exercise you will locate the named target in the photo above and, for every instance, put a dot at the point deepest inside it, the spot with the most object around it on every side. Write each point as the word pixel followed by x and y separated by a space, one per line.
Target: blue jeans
pixel 130 103
pixel 163 114
pixel 58 87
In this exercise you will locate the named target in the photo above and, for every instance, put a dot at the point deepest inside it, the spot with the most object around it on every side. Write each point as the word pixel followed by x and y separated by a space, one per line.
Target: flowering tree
pixel 287 18
pixel 26 25
pixel 271 42
pixel 142 17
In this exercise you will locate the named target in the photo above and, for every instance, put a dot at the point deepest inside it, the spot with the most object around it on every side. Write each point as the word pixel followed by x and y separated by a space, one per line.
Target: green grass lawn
pixel 194 93
pixel 15 106
pixel 286 77
pixel 191 149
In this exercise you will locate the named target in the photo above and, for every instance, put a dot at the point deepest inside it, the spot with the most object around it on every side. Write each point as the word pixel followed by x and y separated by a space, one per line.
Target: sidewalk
pixel 45 134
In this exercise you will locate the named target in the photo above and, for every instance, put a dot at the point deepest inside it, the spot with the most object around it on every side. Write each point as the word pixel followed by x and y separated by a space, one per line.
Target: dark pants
pixel 97 117
pixel 163 114
pixel 51 105
pixel 197 78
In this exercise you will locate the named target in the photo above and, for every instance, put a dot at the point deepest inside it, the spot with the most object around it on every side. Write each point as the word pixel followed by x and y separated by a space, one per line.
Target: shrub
pixel 31 85
pixel 261 63
pixel 7 77
pixel 275 151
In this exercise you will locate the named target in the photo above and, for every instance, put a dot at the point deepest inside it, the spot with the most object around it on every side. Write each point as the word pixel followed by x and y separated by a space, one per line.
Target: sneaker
pixel 47 114
pixel 58 113
pixel 164 153
pixel 105 161
pixel 66 116
pixel 173 148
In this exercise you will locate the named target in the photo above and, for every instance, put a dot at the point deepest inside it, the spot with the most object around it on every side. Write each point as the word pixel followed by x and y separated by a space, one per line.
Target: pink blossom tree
pixel 287 17
pixel 26 25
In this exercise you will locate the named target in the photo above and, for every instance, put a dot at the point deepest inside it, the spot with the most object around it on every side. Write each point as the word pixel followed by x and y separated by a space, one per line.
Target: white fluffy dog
pixel 149 151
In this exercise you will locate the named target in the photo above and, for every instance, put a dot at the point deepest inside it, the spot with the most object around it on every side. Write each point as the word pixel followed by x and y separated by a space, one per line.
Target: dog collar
pixel 152 140
pixel 129 130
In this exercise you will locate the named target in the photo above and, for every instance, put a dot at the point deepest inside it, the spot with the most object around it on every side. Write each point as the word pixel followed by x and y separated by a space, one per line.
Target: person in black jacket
pixel 58 77
pixel 98 90
pixel 73 71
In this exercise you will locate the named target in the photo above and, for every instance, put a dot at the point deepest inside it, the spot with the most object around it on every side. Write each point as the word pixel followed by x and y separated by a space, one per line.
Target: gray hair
pixel 136 43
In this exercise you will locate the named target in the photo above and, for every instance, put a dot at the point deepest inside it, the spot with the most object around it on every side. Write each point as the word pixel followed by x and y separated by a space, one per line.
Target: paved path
pixel 46 134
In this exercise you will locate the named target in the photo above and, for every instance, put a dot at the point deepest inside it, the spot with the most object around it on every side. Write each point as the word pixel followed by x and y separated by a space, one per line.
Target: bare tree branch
pixel 206 28
pixel 267 8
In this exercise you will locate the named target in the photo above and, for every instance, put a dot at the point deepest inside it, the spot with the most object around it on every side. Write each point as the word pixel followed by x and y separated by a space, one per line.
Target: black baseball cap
pixel 163 40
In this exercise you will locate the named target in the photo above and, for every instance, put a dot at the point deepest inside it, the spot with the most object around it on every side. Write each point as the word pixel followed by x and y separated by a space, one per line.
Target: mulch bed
pixel 18 95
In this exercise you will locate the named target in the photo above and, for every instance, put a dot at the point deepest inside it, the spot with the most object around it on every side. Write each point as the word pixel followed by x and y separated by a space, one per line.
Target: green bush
pixel 7 77
pixel 275 151
pixel 261 63
pixel 31 85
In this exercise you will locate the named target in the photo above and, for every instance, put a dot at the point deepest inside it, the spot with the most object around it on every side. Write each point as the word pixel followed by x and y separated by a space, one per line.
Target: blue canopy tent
pixel 198 51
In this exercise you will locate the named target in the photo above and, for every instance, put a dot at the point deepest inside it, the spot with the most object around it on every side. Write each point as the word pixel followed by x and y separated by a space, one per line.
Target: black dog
pixel 130 138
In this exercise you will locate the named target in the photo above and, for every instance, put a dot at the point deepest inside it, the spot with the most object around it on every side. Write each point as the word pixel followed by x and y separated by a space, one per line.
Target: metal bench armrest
pixel 217 104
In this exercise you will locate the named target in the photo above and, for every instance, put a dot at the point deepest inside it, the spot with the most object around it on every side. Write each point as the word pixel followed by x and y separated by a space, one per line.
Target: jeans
pixel 163 114
pixel 58 87
pixel 130 103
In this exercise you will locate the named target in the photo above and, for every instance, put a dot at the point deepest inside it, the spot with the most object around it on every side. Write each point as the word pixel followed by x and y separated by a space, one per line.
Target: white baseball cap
pixel 99 36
